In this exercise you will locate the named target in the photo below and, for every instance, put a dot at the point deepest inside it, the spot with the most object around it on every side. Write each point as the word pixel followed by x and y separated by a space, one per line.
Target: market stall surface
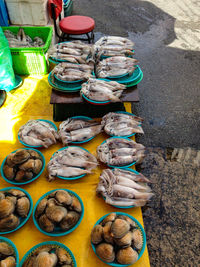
pixel 31 101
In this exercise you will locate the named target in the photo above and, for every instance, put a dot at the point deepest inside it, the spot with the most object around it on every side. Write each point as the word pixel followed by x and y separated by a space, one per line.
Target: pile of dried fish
pixel 78 130
pixel 23 165
pixel 124 188
pixel 120 152
pixel 58 211
pixel 22 40
pixel 7 255
pixel 121 124
pixel 115 66
pixel 13 204
pixel 74 52
pixel 49 256
pixel 73 72
pixel 38 133
pixel 100 90
pixel 110 46
pixel 70 162
pixel 117 239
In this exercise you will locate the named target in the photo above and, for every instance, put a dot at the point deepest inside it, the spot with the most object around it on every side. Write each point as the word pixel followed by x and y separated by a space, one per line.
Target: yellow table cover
pixel 31 101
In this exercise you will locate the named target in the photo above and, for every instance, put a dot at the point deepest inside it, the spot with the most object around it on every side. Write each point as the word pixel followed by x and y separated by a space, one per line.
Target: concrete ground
pixel 166 36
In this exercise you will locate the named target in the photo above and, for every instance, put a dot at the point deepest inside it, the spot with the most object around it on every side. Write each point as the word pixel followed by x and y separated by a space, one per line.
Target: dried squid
pixel 70 162
pixel 120 152
pixel 100 90
pixel 38 133
pixel 121 124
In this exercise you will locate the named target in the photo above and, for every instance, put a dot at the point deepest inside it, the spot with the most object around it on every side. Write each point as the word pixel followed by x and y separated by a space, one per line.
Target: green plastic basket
pixel 31 60
pixel 68 7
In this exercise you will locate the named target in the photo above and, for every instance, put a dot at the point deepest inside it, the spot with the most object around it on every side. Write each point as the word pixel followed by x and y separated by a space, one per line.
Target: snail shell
pixel 9 223
pixel 56 213
pixel 8 262
pixel 125 241
pixel 105 252
pixel 63 256
pixel 40 207
pixel 107 233
pixel 119 228
pixel 76 205
pixel 45 223
pixel 45 259
pixel 8 172
pixel 23 206
pixel 20 156
pixel 110 218
pixel 69 220
pixel 16 193
pixel 6 208
pixel 127 256
pixel 137 238
pixel 97 234
pixel 63 197
pixel 6 249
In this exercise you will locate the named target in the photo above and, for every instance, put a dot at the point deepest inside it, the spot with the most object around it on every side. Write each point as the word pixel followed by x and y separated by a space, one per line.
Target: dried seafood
pixel 116 241
pixel 121 124
pixel 120 152
pixel 124 188
pixel 14 205
pixel 22 165
pixel 100 90
pixel 77 130
pixel 59 211
pixel 38 133
pixel 70 162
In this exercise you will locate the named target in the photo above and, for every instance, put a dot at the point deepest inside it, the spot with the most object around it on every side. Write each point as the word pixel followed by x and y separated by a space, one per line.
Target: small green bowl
pixel 22 220
pixel 58 231
pixel 54 244
pixel 10 243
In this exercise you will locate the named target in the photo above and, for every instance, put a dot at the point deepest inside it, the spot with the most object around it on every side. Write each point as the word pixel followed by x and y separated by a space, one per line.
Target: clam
pixel 63 197
pixel 20 156
pixel 8 262
pixel 110 218
pixel 29 262
pixel 45 248
pixel 9 223
pixel 2 196
pixel 28 165
pixel 125 241
pixel 56 213
pixel 45 259
pixel 16 193
pixel 69 220
pixel 97 234
pixel 107 233
pixel 6 249
pixel 28 175
pixel 41 207
pixel 6 208
pixel 38 166
pixel 20 176
pixel 23 206
pixel 9 172
pixel 119 228
pixel 105 252
pixel 9 161
pixel 137 238
pixel 127 256
pixel 34 154
pixel 12 198
pixel 76 205
pixel 45 223
pixel 63 256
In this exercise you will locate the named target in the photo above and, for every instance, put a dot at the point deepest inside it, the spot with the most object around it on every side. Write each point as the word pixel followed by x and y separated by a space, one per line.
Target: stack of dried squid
pixel 120 152
pixel 115 66
pixel 121 124
pixel 78 130
pixel 71 162
pixel 100 90
pixel 124 188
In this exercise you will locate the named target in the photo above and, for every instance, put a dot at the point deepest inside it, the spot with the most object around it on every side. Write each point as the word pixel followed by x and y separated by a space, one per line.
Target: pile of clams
pixel 22 165
pixel 7 255
pixel 117 239
pixel 58 212
pixel 49 256
pixel 14 205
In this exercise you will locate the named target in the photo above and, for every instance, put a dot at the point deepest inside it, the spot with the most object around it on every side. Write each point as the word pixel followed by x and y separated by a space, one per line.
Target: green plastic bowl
pixel 10 243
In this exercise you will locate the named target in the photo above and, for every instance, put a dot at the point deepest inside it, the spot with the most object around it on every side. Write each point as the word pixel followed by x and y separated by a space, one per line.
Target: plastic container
pixel 68 7
pixel 139 226
pixel 31 60
pixel 58 231
pixel 10 243
pixel 54 243
pixel 22 220
pixel 26 182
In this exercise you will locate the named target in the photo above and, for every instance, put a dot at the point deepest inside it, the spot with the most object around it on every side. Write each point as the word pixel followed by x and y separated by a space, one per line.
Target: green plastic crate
pixel 31 60
pixel 68 7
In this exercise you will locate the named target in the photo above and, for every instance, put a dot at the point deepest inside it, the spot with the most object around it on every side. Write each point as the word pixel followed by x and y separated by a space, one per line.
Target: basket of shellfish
pixel 15 209
pixel 8 253
pixel 118 239
pixel 50 253
pixel 23 166
pixel 58 212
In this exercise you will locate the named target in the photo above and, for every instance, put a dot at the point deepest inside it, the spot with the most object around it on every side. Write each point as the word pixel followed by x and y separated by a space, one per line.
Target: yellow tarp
pixel 31 101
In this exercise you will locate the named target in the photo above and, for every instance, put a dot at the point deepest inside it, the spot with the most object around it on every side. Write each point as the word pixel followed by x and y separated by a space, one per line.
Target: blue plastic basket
pixel 29 181
pixel 58 231
pixel 139 226
pixel 22 220
pixel 16 254
pixel 53 243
